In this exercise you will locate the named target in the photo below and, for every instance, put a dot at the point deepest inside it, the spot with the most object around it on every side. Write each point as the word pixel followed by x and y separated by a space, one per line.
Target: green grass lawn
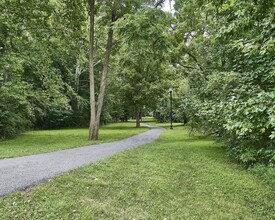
pixel 177 177
pixel 42 141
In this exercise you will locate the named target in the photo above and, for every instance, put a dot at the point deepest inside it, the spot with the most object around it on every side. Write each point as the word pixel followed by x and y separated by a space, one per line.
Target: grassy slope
pixel 42 141
pixel 177 177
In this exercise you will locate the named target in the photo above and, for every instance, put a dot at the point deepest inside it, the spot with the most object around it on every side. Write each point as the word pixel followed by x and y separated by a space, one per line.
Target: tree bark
pixel 103 81
pixel 92 128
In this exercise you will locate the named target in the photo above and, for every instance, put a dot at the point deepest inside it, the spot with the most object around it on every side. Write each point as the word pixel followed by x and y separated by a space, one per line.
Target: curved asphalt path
pixel 22 172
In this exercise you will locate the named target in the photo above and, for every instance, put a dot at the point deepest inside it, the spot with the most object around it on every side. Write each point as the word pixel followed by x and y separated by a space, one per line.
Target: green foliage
pixel 162 110
pixel 231 91
pixel 142 58
pixel 40 43
pixel 217 55
pixel 16 112
pixel 44 45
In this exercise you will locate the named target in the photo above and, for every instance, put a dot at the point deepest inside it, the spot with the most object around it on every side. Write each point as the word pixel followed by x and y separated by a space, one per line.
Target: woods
pixel 231 90
pixel 79 64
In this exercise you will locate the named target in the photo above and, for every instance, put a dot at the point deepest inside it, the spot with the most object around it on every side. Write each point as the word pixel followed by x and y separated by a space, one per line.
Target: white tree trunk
pixel 92 127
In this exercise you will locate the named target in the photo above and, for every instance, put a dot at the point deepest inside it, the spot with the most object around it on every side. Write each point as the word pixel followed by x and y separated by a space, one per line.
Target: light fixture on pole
pixel 171 109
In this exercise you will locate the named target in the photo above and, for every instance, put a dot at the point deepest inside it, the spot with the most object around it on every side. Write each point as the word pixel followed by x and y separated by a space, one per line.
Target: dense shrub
pixel 232 95
pixel 15 110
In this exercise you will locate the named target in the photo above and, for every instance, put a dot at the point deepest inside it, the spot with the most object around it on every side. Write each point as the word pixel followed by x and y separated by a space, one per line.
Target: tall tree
pixel 111 10
pixel 231 87
pixel 38 47
pixel 97 108
pixel 142 58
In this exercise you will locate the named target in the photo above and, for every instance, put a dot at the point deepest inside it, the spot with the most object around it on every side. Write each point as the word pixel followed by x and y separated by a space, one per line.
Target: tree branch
pixel 195 59
pixel 159 3
pixel 188 67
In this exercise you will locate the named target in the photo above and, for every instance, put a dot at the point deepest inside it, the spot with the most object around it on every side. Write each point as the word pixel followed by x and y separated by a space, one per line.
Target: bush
pixel 240 112
pixel 15 110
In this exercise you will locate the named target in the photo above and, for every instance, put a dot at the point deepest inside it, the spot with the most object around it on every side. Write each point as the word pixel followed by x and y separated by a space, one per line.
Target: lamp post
pixel 171 113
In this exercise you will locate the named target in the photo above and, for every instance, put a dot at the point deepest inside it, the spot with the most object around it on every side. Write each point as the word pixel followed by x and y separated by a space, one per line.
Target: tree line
pixel 83 63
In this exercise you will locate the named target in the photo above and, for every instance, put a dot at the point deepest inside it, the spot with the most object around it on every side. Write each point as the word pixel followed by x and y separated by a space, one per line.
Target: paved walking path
pixel 22 172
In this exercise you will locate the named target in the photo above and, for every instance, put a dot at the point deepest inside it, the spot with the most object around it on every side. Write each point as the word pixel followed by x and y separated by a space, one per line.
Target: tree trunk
pixel 137 114
pixel 92 129
pixel 77 73
pixel 94 124
pixel 103 81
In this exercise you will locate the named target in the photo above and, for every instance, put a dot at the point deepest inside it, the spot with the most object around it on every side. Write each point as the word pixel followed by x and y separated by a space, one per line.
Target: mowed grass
pixel 177 177
pixel 42 141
